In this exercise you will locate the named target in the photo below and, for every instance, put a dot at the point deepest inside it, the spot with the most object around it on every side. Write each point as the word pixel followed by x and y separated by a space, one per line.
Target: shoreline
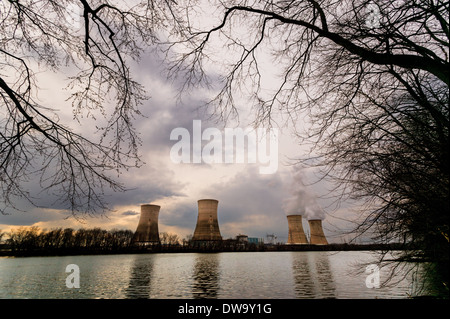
pixel 180 249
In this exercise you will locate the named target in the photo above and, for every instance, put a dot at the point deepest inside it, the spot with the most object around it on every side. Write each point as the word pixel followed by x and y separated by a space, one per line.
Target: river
pixel 243 275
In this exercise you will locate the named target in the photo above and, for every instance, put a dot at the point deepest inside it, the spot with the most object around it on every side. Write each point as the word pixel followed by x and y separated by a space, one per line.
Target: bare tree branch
pixel 33 143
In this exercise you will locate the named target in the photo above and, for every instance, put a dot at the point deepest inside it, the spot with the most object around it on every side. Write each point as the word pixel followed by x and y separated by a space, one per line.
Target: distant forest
pixel 27 239
pixel 33 240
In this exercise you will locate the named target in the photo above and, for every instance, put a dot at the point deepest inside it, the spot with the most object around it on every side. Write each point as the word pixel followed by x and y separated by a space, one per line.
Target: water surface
pixel 246 275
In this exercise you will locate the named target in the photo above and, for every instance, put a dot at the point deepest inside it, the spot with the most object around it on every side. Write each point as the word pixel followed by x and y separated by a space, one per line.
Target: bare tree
pixel 2 233
pixel 169 239
pixel 95 51
pixel 374 79
pixel 321 49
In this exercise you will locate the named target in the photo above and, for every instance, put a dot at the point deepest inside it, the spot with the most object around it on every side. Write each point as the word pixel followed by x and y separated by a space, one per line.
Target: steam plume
pixel 302 201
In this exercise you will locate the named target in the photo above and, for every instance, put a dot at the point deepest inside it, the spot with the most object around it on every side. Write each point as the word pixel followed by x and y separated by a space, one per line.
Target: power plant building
pixel 207 228
pixel 296 234
pixel 317 235
pixel 147 230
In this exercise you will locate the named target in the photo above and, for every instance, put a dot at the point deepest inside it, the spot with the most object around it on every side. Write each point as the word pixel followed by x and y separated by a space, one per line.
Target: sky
pixel 250 203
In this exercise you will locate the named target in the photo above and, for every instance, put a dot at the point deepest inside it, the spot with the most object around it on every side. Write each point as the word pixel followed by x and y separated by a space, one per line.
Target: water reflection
pixel 222 275
pixel 312 275
pixel 304 285
pixel 326 287
pixel 140 277
pixel 205 276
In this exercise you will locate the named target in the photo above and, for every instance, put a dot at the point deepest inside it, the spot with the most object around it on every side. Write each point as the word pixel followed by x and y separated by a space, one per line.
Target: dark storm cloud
pixel 253 200
pixel 31 215
pixel 130 213
pixel 164 110
pixel 183 215
pixel 141 195
pixel 146 184
pixel 249 195
pixel 249 203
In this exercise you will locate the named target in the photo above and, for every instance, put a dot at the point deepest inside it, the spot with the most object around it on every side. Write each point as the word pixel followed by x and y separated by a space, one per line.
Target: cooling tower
pixel 207 228
pixel 296 234
pixel 147 229
pixel 317 235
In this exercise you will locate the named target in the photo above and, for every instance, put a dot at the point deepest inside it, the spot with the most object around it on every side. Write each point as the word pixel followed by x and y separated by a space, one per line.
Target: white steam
pixel 302 201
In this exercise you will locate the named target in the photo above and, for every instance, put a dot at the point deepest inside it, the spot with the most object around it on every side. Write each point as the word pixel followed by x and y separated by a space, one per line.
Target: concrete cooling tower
pixel 296 234
pixel 207 228
pixel 317 235
pixel 147 230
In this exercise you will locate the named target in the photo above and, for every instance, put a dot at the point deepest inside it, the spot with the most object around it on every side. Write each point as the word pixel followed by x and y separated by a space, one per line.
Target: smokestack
pixel 317 235
pixel 207 228
pixel 147 229
pixel 296 234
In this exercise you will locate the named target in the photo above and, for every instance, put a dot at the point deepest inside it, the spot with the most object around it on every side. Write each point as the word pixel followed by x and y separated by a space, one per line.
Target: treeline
pixel 61 241
pixel 33 239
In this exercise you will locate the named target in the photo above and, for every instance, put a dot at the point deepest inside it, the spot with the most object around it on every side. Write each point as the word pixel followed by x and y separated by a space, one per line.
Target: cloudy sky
pixel 249 202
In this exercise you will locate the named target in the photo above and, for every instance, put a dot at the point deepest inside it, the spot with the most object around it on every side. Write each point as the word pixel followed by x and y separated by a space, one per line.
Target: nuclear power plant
pixel 296 234
pixel 147 230
pixel 317 235
pixel 207 228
